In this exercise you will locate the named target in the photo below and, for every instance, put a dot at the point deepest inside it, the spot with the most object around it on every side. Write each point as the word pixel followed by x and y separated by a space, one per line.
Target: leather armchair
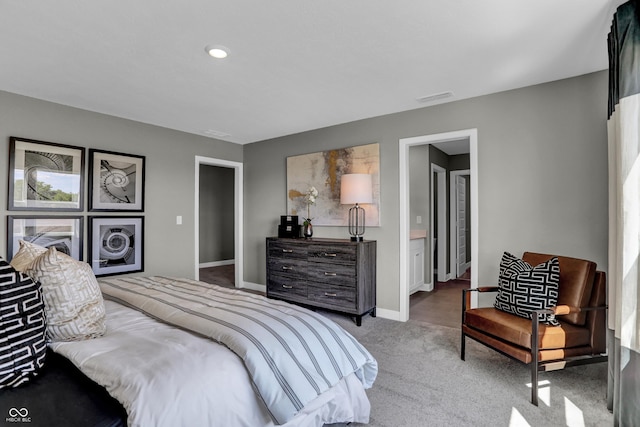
pixel 581 311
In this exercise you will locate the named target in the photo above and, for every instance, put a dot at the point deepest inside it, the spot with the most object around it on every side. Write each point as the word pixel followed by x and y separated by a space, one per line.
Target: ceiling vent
pixel 216 133
pixel 435 97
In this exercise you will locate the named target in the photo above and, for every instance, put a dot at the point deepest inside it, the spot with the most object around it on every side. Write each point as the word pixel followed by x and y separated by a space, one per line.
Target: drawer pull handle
pixel 287 251
pixel 326 273
pixel 330 294
pixel 284 267
pixel 287 286
pixel 329 255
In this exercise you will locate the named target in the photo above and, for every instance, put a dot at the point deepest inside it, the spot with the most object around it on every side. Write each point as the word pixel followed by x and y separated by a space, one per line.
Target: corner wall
pixel 170 170
pixel 542 178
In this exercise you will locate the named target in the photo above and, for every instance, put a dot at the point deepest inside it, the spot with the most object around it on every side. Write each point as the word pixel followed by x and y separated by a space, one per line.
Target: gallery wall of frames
pixel 46 199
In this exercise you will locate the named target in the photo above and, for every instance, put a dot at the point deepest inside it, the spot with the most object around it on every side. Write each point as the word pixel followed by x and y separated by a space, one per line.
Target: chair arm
pixel 481 289
pixel 559 310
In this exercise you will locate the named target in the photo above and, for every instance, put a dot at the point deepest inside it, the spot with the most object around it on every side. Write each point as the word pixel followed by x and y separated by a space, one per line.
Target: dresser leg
pixel 359 320
pixel 373 312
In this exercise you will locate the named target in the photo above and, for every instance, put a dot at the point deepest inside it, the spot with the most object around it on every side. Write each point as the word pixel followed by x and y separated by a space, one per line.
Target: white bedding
pixel 164 376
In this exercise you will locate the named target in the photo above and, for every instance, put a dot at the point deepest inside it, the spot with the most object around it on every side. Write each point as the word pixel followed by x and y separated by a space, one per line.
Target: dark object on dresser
pixel 581 310
pixel 63 396
pixel 333 274
pixel 289 226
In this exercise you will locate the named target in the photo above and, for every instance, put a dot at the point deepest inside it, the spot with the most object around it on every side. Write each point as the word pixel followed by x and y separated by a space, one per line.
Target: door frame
pixel 237 213
pixel 404 237
pixel 453 199
pixel 439 232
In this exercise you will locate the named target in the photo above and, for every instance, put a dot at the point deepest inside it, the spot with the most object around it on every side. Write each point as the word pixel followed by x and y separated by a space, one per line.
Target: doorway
pixel 203 162
pixel 469 135
pixel 460 222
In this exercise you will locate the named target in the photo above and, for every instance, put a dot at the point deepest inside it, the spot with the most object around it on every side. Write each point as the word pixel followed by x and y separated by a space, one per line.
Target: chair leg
pixel 462 342
pixel 534 358
pixel 534 382
pixel 464 308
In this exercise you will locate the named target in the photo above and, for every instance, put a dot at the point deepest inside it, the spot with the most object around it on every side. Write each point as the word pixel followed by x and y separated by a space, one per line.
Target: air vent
pixel 435 97
pixel 216 133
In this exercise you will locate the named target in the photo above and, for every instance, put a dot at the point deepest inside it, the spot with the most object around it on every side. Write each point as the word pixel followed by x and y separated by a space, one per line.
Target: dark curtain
pixel 623 128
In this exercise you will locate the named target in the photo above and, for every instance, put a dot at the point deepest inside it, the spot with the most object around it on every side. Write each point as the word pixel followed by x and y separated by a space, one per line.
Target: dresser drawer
pixel 287 250
pixel 343 255
pixel 332 296
pixel 332 274
pixel 284 287
pixel 293 268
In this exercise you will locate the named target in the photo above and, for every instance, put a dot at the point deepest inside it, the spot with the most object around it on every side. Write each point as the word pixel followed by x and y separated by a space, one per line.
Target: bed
pixel 182 352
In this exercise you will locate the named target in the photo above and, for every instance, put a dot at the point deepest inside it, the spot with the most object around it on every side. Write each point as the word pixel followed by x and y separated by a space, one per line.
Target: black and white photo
pixel 116 181
pixel 116 245
pixel 45 176
pixel 63 232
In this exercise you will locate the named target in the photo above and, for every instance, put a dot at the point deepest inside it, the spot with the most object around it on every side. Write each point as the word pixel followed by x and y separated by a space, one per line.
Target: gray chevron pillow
pixel 22 327
pixel 524 288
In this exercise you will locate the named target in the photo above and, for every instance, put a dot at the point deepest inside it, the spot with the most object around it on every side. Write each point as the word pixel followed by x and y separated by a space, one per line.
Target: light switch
pixel 179 220
pixel 418 219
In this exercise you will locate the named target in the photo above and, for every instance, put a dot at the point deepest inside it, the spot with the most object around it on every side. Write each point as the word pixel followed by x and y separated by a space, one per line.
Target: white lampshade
pixel 356 188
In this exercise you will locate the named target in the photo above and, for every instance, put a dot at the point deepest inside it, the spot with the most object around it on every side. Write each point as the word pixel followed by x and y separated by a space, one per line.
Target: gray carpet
pixel 423 382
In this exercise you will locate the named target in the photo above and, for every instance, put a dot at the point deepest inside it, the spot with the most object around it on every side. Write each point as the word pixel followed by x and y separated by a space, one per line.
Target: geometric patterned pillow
pixel 26 254
pixel 523 288
pixel 22 327
pixel 71 294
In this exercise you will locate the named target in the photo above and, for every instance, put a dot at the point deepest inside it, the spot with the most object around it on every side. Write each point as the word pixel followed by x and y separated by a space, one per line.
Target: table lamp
pixel 356 188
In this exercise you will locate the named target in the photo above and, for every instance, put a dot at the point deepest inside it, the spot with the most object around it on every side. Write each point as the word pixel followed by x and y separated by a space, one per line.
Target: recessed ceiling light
pixel 217 51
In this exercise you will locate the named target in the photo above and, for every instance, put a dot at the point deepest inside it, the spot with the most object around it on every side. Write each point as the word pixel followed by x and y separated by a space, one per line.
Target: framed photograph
pixel 63 232
pixel 45 176
pixel 116 181
pixel 116 245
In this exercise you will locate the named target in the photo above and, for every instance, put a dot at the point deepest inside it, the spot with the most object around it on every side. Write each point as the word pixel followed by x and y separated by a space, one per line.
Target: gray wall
pixel 216 213
pixel 542 175
pixel 170 169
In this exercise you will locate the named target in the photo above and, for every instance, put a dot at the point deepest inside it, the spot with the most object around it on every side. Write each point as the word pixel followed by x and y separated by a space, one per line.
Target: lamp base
pixel 357 238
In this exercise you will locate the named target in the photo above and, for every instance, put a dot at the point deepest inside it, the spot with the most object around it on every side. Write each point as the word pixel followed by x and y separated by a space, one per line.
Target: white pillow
pixel 71 294
pixel 26 254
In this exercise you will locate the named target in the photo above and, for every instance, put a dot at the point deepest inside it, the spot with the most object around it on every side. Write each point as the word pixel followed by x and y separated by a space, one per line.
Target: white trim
pixel 404 144
pixel 387 314
pixel 238 214
pixel 442 224
pixel 254 287
pixel 453 211
pixel 217 263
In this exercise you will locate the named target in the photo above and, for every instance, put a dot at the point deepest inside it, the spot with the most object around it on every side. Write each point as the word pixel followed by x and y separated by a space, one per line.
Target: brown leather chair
pixel 581 310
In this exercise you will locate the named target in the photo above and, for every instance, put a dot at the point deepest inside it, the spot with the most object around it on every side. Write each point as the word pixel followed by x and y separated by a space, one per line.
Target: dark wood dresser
pixel 335 274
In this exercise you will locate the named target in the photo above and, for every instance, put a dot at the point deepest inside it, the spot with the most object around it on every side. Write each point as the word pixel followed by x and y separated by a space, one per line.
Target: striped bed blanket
pixel 291 354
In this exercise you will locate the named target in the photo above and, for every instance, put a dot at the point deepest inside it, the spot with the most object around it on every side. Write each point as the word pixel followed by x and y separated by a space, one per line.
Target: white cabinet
pixel 416 267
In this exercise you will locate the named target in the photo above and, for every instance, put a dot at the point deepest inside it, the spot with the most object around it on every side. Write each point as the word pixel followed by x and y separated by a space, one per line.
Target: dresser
pixel 334 274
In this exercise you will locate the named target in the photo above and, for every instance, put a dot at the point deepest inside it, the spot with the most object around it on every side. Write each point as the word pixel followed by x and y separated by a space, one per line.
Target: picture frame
pixel 116 181
pixel 323 171
pixel 45 176
pixel 63 232
pixel 116 245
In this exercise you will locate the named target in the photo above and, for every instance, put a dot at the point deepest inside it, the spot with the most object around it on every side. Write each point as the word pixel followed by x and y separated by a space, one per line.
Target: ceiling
pixel 294 65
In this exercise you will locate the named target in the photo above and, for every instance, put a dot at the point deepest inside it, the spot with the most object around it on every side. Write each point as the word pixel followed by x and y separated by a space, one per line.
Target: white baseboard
pixel 422 287
pixel 216 263
pixel 387 314
pixel 254 287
